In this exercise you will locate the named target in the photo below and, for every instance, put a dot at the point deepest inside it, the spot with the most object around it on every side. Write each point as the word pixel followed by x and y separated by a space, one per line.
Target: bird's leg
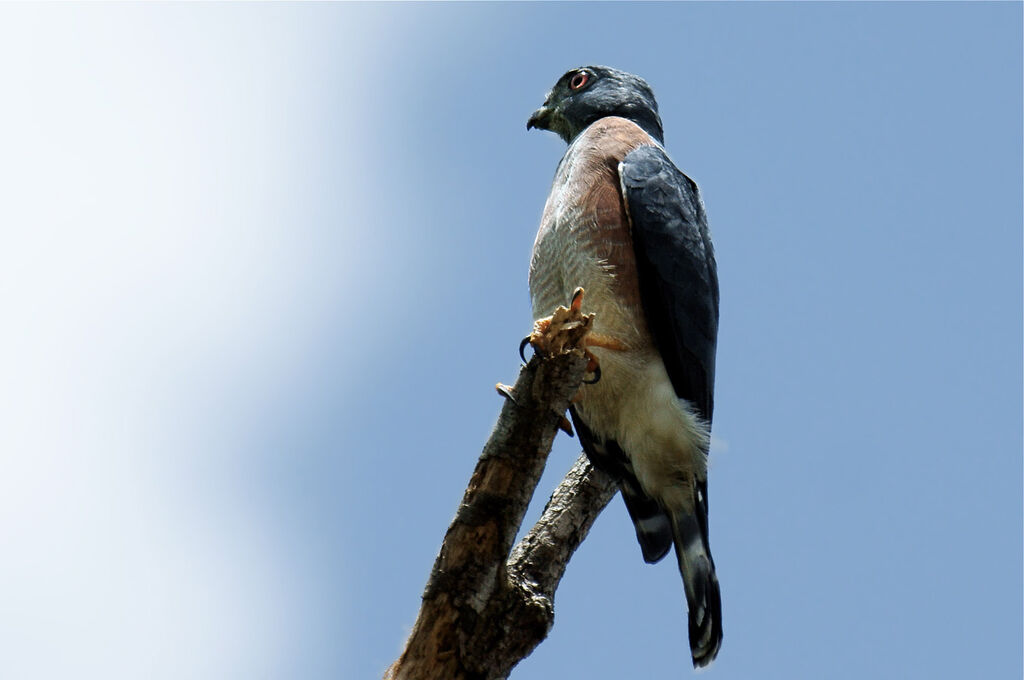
pixel 605 342
pixel 566 329
pixel 598 340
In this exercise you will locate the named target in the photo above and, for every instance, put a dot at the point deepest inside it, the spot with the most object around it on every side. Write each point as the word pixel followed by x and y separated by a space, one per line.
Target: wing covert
pixel 677 271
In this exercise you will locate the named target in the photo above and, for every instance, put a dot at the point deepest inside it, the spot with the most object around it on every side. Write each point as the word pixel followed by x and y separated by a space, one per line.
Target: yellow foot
pixel 506 391
pixel 565 426
pixel 604 341
pixel 561 332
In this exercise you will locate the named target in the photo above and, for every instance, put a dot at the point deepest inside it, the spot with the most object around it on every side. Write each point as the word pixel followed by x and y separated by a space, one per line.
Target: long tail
pixel 689 533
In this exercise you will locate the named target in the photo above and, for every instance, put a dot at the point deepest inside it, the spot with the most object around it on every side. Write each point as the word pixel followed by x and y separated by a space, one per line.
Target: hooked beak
pixel 539 119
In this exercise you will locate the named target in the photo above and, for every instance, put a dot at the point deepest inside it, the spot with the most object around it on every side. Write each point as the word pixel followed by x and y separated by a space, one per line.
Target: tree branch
pixel 539 560
pixel 487 606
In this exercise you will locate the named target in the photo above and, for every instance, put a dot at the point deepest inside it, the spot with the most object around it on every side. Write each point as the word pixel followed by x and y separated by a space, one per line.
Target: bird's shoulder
pixel 607 141
pixel 588 174
pixel 587 182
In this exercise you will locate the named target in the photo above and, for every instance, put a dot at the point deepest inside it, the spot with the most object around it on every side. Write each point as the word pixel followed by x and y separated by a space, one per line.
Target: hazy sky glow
pixel 261 265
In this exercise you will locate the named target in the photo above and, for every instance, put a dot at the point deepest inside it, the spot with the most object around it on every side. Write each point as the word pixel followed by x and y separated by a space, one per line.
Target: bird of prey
pixel 626 225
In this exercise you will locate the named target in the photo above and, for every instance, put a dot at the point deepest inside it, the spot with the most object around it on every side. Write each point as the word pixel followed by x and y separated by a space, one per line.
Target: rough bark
pixel 487 605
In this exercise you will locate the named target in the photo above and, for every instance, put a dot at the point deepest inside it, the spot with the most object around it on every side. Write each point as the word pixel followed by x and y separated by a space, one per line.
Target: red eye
pixel 579 80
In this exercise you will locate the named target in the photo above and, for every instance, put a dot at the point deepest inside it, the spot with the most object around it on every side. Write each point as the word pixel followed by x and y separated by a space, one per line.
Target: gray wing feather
pixel 677 270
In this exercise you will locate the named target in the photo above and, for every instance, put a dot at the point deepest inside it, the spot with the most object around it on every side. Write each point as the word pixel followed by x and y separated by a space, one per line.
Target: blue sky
pixel 261 265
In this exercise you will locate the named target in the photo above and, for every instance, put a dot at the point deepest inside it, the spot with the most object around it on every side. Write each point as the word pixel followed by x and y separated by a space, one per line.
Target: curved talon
pixel 565 426
pixel 522 346
pixel 597 376
pixel 577 300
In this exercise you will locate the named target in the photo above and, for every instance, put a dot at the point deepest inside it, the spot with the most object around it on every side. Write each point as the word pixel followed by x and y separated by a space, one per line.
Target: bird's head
pixel 583 95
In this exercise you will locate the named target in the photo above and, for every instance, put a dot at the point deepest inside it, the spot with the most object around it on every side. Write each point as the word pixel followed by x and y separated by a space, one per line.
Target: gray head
pixel 586 94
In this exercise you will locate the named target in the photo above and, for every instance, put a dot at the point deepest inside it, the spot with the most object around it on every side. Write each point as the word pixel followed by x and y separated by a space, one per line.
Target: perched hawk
pixel 626 225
